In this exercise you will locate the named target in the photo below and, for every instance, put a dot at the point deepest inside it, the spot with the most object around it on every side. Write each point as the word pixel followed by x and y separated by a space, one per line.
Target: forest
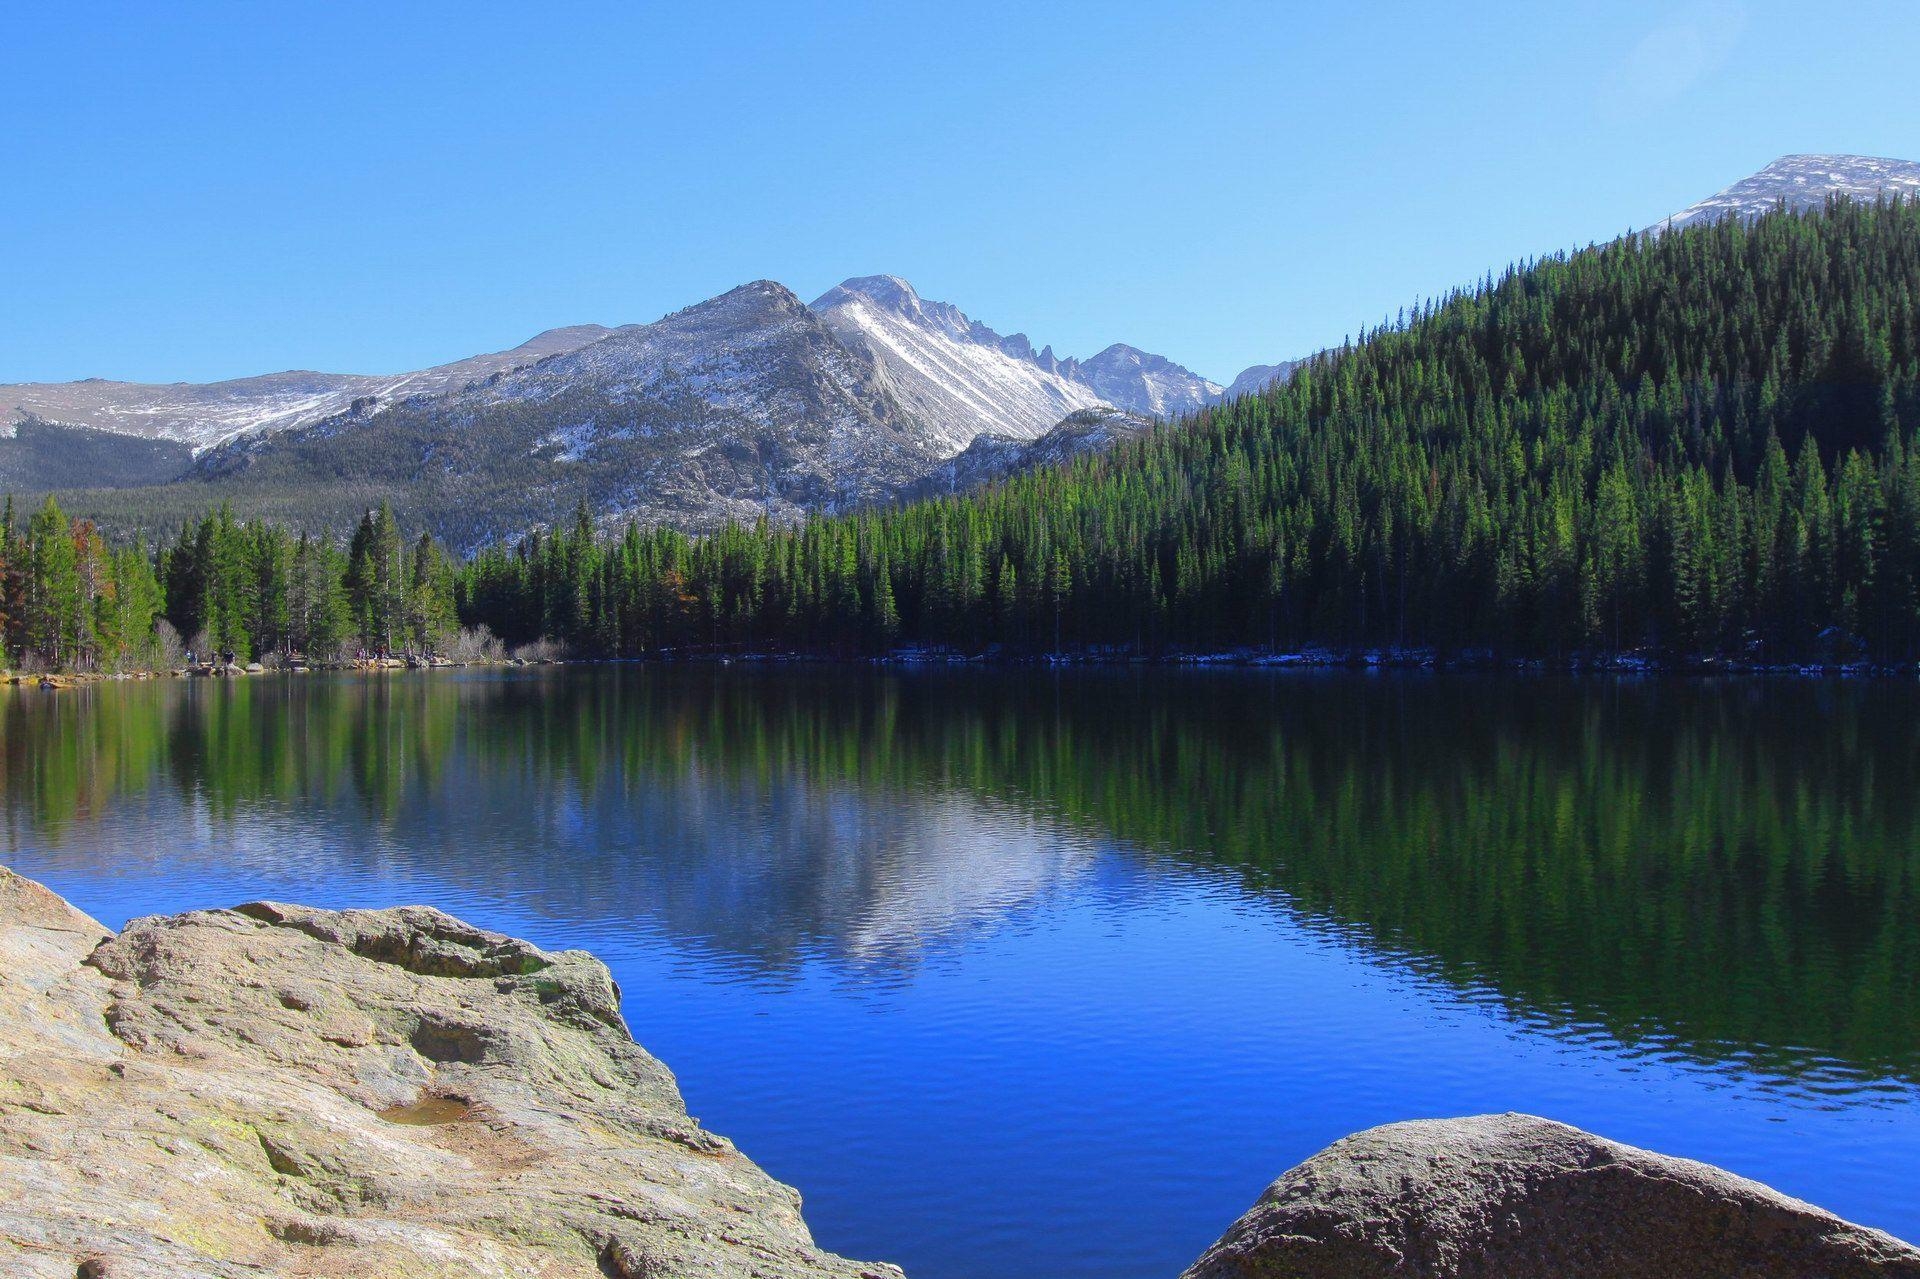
pixel 69 601
pixel 1701 442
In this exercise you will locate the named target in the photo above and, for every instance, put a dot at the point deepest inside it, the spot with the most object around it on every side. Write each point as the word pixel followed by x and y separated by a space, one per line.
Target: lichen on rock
pixel 280 1090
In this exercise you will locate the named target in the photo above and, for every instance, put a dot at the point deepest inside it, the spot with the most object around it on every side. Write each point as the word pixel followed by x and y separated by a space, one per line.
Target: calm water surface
pixel 1022 973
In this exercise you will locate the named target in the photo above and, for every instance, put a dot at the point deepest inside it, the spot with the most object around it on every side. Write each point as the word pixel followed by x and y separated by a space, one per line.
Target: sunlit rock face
pixel 957 375
pixel 274 1090
pixel 1506 1196
pixel 963 379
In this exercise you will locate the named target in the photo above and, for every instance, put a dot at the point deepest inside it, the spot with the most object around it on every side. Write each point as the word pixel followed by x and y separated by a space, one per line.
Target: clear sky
pixel 196 191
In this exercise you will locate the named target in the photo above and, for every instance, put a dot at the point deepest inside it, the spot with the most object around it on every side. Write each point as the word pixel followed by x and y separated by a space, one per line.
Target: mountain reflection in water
pixel 1718 874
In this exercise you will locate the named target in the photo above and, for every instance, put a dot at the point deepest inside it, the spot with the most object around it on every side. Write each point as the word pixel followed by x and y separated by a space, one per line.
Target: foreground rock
pixel 279 1091
pixel 1516 1197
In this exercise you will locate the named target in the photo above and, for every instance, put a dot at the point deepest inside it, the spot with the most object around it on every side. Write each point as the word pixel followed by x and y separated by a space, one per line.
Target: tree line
pixel 1705 441
pixel 1702 441
pixel 68 601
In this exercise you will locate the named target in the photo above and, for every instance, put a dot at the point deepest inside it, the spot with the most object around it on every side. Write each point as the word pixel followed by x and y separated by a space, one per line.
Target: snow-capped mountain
pixel 742 406
pixel 1142 382
pixel 955 374
pixel 963 378
pixel 995 457
pixel 1805 182
pixel 206 413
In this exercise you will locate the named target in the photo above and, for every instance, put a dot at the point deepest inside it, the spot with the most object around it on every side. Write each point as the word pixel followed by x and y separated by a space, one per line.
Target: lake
pixel 1020 972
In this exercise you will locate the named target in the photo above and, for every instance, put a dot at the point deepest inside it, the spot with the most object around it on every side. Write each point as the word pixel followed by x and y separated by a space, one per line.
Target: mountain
pixel 1259 377
pixel 955 374
pixel 995 457
pixel 742 406
pixel 37 455
pixel 1141 382
pixel 1744 485
pixel 207 413
pixel 1804 182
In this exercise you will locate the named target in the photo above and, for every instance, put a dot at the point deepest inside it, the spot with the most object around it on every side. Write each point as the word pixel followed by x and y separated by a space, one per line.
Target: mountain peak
pixel 886 290
pixel 1146 383
pixel 1804 181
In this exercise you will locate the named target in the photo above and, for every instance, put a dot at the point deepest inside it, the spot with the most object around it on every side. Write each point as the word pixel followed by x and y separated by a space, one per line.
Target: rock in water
pixel 393 1094
pixel 274 1090
pixel 1518 1197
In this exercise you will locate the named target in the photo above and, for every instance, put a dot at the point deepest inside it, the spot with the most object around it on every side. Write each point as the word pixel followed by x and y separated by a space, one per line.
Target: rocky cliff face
pixel 281 1091
pixel 956 375
pixel 1258 378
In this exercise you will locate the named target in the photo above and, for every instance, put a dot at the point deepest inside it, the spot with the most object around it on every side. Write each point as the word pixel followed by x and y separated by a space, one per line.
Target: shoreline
pixel 1356 661
pixel 273 1089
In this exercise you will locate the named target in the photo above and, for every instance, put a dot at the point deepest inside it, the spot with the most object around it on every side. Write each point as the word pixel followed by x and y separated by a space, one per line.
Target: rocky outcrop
pixel 282 1091
pixel 1517 1197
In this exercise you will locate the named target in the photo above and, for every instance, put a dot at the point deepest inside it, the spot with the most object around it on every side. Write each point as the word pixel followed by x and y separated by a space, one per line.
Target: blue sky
pixel 210 190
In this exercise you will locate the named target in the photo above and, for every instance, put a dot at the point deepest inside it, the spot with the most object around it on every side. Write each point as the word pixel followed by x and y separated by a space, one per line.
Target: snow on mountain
pixel 1141 382
pixel 1804 182
pixel 1258 378
pixel 741 406
pixel 995 457
pixel 955 374
pixel 205 414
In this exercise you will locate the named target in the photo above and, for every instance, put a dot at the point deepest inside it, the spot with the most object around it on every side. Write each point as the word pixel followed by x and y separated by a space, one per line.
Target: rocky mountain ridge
pixel 743 406
pixel 955 374
pixel 1803 182
pixel 208 413
pixel 716 412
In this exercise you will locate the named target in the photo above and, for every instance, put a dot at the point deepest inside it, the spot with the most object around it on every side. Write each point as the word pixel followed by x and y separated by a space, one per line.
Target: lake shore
pixel 279 1090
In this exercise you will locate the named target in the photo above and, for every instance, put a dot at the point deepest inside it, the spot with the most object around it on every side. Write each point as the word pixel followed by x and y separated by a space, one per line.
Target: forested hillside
pixel 1700 441
pixel 69 601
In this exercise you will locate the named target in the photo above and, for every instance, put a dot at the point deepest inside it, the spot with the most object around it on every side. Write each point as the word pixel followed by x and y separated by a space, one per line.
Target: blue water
pixel 926 980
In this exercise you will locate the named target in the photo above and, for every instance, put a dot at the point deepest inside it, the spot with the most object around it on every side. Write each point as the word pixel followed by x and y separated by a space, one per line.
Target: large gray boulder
pixel 1519 1197
pixel 275 1091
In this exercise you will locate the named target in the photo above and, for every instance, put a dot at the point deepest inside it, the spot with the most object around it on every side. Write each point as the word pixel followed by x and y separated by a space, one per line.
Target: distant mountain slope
pixel 995 457
pixel 1259 378
pixel 1141 382
pixel 1804 182
pixel 207 413
pixel 1704 444
pixel 956 374
pixel 741 406
pixel 963 378
pixel 36 456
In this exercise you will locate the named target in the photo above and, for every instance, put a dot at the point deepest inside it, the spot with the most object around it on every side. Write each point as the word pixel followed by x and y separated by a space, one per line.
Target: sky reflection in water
pixel 1021 973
